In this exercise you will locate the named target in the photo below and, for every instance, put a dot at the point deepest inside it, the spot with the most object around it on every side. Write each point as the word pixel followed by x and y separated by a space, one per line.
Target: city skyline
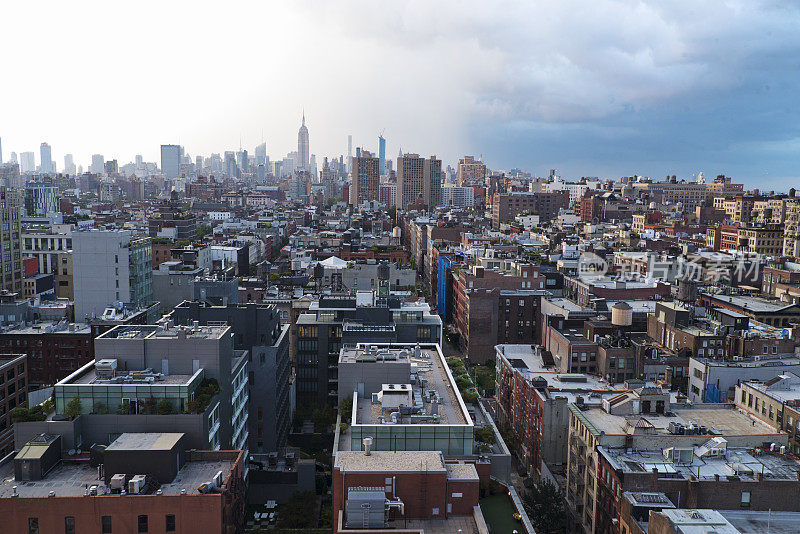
pixel 617 90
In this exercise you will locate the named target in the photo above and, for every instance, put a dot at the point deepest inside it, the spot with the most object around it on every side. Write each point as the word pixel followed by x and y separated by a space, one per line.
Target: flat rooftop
pixel 48 327
pixel 71 478
pixel 720 420
pixel 387 461
pixel 429 366
pixel 784 387
pixel 737 462
pixel 146 441
pixel 88 375
pixel 165 331
pixel 753 304
pixel 757 522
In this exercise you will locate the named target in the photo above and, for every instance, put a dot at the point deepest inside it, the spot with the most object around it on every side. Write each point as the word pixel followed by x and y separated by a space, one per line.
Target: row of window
pixel 106 524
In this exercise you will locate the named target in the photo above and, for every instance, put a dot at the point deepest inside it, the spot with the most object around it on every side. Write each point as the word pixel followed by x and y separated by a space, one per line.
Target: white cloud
pixel 123 78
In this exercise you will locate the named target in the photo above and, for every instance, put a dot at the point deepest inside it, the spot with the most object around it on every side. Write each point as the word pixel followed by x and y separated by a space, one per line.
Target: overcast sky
pixel 595 88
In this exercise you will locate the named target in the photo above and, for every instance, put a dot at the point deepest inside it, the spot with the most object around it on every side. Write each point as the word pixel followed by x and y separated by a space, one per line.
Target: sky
pixel 591 88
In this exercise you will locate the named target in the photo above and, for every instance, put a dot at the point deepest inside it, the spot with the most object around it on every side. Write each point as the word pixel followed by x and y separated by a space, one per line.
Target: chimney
pixel 367 445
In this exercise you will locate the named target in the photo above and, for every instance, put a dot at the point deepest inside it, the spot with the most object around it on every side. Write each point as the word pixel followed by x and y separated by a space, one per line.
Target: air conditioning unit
pixel 117 481
pixel 136 484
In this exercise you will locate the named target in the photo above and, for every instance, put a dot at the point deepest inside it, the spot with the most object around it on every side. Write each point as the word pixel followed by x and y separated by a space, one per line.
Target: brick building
pixel 545 205
pixel 69 497
pixel 13 394
pixel 420 483
pixel 493 307
pixel 54 350
pixel 532 398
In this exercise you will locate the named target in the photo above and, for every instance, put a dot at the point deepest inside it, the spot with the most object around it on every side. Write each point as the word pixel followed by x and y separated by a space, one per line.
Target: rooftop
pixel 72 478
pixel 151 441
pixel 427 367
pixel 719 419
pixel 386 461
pixel 48 327
pixel 753 304
pixel 746 464
pixel 166 330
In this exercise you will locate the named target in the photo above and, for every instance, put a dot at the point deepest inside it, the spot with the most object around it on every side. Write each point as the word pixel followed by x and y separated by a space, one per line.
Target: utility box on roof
pixel 37 457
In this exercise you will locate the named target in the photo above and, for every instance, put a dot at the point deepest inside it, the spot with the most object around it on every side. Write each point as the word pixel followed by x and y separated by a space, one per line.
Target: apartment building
pixel 776 402
pixel 533 398
pixel 493 307
pixel 110 267
pixel 13 394
pixel 185 377
pixel 333 322
pixel 10 240
pixel 167 488
pixel 365 186
pixel 257 329
pixel 645 439
pixel 54 349
pixel 545 205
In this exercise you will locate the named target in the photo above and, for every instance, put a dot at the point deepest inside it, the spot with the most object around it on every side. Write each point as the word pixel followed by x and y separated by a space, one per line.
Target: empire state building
pixel 302 145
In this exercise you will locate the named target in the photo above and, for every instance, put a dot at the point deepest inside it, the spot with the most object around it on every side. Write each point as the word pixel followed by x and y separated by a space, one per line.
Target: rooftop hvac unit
pixel 218 479
pixel 117 481
pixel 272 459
pixel 106 368
pixel 136 484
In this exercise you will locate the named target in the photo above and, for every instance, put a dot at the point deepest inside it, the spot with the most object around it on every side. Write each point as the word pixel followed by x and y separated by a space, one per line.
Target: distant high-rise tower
pixel 366 180
pixel 382 155
pixel 171 160
pixel 349 153
pixel 69 164
pixel 46 159
pixel 98 164
pixel 418 178
pixel 1 151
pixel 302 145
pixel 27 162
pixel 261 154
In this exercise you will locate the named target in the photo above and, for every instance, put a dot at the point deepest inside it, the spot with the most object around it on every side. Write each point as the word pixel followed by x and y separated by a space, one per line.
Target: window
pixel 745 499
pixel 105 524
pixel 33 525
pixel 69 525
pixel 142 522
pixel 170 523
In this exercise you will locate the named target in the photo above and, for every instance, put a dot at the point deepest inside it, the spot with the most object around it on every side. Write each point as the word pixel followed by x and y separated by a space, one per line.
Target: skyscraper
pixel 302 145
pixel 27 162
pixel 261 154
pixel 11 264
pixel 381 155
pixel 46 159
pixel 470 171
pixel 349 153
pixel 171 160
pixel 366 180
pixel 98 164
pixel 231 169
pixel 1 151
pixel 419 178
pixel 69 164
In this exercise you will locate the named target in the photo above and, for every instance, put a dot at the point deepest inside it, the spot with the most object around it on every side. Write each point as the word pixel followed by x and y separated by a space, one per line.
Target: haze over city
pixel 602 89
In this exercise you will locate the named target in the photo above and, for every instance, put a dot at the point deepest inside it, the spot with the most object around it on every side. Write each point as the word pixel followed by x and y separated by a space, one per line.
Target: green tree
pixel 74 407
pixel 164 407
pixel 544 504
pixel 346 409
pixel 296 512
pixel 485 434
pixel 203 230
pixel 470 396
